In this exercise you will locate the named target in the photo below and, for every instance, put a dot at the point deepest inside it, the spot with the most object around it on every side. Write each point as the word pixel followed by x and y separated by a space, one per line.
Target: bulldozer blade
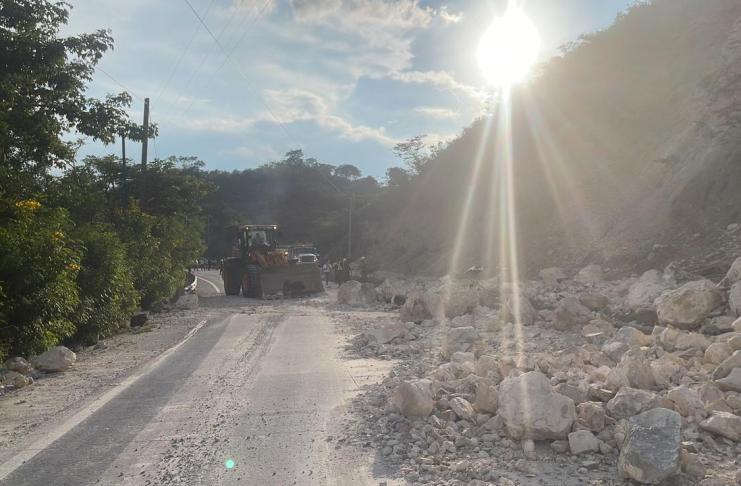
pixel 291 280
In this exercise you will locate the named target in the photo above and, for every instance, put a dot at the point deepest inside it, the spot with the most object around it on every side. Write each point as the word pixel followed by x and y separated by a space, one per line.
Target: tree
pixel 347 171
pixel 396 177
pixel 43 80
pixel 412 151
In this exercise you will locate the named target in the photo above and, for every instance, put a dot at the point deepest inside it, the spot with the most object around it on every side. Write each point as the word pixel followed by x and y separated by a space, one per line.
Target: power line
pixel 131 92
pixel 247 82
pixel 183 52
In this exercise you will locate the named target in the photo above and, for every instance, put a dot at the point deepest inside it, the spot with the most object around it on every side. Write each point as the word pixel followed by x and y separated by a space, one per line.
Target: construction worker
pixel 326 270
pixel 363 267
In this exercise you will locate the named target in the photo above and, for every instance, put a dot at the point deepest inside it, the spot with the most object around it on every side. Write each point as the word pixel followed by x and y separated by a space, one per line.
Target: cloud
pixel 300 105
pixel 436 112
pixel 440 79
pixel 449 17
pixel 253 8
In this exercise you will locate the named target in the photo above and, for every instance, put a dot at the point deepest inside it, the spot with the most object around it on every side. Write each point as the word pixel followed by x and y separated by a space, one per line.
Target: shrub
pixel 38 268
pixel 107 294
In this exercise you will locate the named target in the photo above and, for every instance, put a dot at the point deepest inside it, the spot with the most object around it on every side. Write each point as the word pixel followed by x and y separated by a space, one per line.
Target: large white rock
pixel 393 290
pixel 686 401
pixel 589 275
pixel 630 401
pixel 460 339
pixel 355 293
pixel 570 313
pixel 723 423
pixel 583 441
pixel 413 398
pixel 531 409
pixel 58 358
pixel 651 450
pixel 633 370
pixel 689 305
pixel 732 382
pixel 724 369
pixel 487 398
pixel 645 290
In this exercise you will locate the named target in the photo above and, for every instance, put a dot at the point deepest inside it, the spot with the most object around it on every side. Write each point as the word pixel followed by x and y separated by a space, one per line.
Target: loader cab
pixel 264 237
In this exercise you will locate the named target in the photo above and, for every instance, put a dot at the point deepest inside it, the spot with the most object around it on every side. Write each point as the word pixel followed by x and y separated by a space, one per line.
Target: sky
pixel 343 80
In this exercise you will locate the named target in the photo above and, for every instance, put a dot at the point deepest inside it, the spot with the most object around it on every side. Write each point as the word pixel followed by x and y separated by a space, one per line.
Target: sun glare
pixel 508 49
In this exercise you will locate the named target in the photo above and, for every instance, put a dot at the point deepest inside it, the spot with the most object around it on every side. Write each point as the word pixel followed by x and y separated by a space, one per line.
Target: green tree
pixel 347 171
pixel 43 78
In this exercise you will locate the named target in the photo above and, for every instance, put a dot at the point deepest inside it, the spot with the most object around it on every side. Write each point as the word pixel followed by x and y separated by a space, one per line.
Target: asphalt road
pixel 254 398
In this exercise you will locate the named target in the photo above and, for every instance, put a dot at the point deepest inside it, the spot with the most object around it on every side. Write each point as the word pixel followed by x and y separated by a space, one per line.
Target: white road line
pixel 218 291
pixel 26 455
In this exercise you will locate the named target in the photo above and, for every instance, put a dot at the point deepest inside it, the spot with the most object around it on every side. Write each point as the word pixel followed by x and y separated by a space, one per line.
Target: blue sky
pixel 342 80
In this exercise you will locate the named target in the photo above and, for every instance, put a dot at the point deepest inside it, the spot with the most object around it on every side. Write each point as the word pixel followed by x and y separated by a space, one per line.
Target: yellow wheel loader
pixel 259 268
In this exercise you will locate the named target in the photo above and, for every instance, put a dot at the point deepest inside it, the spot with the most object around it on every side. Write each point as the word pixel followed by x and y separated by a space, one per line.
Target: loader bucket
pixel 291 280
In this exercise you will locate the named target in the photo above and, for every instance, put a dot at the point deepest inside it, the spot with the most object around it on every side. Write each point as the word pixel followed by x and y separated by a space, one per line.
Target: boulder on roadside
pixel 631 401
pixel 725 367
pixel 582 441
pixel 651 450
pixel 58 358
pixel 732 382
pixel 14 378
pixel 531 408
pixel 686 401
pixel 19 365
pixel 460 339
pixel 413 398
pixel 570 313
pixel 415 308
pixel 354 293
pixel 591 416
pixel 462 408
pixel 393 290
pixel 487 398
pixel 688 306
pixel 723 423
pixel 716 353
pixel 589 275
pixel 452 298
pixel 645 290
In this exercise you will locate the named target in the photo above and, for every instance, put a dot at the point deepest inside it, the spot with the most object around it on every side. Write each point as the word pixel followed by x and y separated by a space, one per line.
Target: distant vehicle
pixel 299 249
pixel 308 258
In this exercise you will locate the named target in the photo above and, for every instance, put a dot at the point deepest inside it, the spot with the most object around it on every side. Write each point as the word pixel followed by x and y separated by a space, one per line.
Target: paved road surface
pixel 262 388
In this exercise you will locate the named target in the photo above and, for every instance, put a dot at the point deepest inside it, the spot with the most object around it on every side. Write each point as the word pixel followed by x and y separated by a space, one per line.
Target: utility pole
pixel 144 152
pixel 124 182
pixel 349 229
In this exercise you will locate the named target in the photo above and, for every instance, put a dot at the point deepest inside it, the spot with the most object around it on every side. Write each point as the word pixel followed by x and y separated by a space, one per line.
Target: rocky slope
pixel 564 379
pixel 625 152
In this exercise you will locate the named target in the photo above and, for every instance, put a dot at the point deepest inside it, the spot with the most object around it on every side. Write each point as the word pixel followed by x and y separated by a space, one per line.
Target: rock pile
pixel 637 378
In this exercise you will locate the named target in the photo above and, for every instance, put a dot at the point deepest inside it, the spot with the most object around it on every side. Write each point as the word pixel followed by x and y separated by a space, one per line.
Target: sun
pixel 508 49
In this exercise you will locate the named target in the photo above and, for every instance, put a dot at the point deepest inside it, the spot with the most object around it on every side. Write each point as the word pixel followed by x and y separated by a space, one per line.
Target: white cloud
pixel 299 105
pixel 436 112
pixel 253 8
pixel 441 79
pixel 449 17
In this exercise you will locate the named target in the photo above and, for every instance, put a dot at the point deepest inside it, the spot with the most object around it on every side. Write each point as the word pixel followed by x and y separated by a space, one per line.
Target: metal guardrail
pixel 190 288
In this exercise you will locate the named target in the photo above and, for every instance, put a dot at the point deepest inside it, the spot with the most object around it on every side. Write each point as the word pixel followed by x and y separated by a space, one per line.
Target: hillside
pixel 625 152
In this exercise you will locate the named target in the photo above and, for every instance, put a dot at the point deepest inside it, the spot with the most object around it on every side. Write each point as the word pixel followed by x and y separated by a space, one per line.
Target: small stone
pixel 723 423
pixel 19 365
pixel 732 382
pixel 462 408
pixel 716 353
pixel 591 416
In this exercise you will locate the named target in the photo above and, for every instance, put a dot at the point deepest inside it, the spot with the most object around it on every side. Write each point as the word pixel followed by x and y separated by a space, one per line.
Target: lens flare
pixel 229 463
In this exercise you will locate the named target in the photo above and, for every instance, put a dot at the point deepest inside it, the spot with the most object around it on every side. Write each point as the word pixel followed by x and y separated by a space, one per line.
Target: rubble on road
pixel 577 380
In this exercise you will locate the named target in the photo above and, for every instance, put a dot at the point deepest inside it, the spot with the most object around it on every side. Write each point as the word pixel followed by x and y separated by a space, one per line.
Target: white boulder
pixel 689 305
pixel 413 398
pixel 58 358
